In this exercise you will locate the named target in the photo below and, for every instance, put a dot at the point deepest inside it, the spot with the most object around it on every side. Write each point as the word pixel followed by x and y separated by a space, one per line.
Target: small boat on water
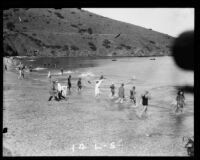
pixel 114 60
pixel 152 59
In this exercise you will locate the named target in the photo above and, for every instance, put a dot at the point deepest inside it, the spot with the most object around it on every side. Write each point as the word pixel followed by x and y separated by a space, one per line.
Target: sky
pixel 171 21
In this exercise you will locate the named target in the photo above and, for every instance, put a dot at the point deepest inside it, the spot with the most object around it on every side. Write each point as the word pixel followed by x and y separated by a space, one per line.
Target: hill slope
pixel 75 32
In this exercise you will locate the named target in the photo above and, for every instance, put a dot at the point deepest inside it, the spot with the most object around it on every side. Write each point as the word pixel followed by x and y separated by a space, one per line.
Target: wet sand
pixel 37 127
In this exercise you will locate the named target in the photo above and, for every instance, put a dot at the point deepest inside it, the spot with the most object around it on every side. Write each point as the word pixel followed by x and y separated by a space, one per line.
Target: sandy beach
pixel 37 127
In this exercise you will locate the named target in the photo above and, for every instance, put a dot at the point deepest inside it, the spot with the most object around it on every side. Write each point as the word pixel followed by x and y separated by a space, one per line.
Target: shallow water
pixel 160 77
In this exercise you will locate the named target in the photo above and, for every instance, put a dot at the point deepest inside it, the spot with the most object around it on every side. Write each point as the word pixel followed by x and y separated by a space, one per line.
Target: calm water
pixel 159 76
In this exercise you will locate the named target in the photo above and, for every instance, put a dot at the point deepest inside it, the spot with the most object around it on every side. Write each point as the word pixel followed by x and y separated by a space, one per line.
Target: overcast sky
pixel 172 21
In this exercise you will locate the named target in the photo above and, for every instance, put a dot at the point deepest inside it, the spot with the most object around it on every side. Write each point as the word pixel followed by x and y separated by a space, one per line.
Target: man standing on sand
pixel 121 94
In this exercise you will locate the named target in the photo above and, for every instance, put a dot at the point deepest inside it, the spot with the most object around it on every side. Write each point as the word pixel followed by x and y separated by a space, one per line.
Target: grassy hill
pixel 75 32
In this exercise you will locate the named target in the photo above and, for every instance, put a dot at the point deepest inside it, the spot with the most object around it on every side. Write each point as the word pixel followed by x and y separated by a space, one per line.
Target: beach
pixel 83 125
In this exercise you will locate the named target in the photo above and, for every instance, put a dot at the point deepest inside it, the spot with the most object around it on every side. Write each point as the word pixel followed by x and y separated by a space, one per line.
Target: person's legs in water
pixel 181 107
pixel 134 100
pixel 20 74
pixel 69 86
pixel 60 96
pixel 143 110
pixel 56 98
pixel 113 93
pixel 121 100
pixel 23 74
pixel 50 98
pixel 177 108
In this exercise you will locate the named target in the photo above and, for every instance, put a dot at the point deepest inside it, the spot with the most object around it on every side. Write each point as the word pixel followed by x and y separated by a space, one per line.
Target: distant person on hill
pixel 180 101
pixel 112 87
pixel 132 95
pixel 121 94
pixel 53 92
pixel 69 82
pixel 144 99
pixel 79 84
pixel 97 85
pixel 61 70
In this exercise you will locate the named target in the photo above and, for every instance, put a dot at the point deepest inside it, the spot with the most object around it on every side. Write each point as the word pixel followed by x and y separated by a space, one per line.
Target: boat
pixel 152 59
pixel 114 60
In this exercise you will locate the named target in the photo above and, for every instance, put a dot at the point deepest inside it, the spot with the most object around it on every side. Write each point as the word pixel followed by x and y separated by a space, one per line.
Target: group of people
pixel 144 98
pixel 121 96
pixel 59 92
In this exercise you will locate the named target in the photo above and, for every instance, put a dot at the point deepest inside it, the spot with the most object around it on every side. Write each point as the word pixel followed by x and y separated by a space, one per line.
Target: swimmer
pixel 89 82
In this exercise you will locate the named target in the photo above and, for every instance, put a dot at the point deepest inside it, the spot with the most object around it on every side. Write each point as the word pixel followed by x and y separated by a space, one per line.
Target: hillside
pixel 75 32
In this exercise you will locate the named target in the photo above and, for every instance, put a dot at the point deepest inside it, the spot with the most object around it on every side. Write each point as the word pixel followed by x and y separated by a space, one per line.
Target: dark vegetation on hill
pixel 75 32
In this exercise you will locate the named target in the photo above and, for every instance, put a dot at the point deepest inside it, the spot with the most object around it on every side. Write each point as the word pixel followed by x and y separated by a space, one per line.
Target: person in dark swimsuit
pixel 79 84
pixel 145 97
pixel 69 82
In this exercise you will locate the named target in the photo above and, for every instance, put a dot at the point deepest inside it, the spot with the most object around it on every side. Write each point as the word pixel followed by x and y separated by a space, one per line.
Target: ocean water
pixel 160 77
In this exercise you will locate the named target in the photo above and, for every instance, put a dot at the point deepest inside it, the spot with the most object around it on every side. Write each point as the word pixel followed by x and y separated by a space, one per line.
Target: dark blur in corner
pixel 183 53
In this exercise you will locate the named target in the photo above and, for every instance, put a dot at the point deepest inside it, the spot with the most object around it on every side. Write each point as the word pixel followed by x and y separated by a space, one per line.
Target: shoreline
pixel 21 57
